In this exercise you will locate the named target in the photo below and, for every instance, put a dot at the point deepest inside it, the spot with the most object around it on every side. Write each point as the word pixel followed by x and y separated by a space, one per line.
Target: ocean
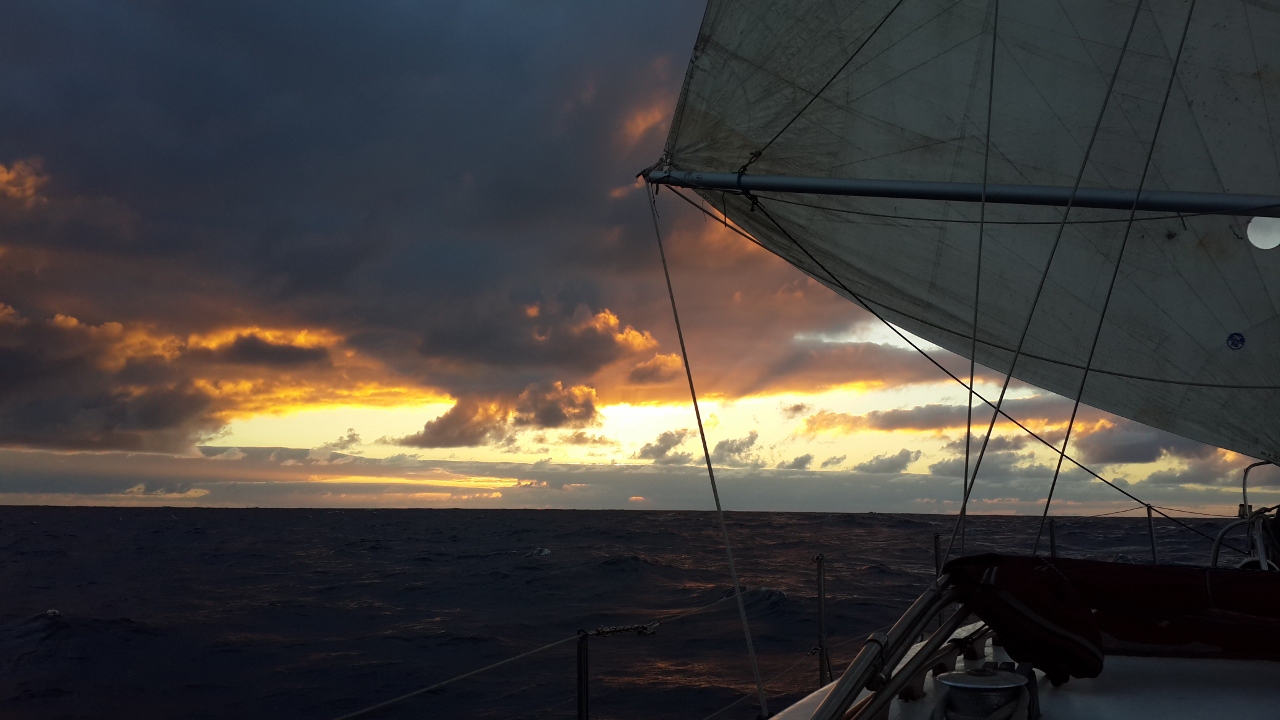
pixel 311 614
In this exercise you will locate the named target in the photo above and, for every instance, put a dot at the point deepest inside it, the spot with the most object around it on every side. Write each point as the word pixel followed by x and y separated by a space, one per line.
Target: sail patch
pixel 1264 232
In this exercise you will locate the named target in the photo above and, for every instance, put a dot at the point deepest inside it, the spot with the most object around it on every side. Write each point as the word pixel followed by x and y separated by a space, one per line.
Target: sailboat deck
pixel 1129 688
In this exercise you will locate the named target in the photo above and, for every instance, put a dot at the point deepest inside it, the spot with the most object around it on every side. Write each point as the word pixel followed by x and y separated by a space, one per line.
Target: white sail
pixel 1190 342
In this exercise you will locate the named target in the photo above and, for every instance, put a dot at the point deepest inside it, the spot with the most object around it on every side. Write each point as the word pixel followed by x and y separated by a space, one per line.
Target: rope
pixel 977 276
pixel 1115 274
pixel 706 453
pixel 867 305
pixel 756 155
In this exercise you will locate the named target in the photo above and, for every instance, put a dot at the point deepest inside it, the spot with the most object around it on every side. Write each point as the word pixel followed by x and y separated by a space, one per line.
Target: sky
pixel 394 254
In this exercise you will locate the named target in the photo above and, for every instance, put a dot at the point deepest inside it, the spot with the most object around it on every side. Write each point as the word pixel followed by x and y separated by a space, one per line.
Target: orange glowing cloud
pixel 627 338
pixel 234 371
pixel 642 120
pixel 22 181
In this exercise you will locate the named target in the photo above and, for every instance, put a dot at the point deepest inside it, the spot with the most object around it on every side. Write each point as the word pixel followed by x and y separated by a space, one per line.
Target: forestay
pixel 1191 340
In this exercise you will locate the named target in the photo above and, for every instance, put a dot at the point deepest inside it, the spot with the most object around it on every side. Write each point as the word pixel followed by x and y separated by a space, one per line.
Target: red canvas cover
pixel 1063 615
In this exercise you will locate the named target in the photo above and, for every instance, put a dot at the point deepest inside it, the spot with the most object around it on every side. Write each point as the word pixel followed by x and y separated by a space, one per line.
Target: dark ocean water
pixel 252 613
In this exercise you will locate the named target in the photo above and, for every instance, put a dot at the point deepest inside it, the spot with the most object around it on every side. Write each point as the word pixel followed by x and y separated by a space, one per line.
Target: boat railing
pixel 873 667
pixel 1256 525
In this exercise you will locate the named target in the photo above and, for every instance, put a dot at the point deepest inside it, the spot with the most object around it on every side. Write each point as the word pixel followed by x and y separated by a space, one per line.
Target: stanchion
pixel 1053 541
pixel 583 687
pixel 824 660
pixel 1151 527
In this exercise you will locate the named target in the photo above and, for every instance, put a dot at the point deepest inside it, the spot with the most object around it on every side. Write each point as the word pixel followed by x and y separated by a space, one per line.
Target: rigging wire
pixel 756 155
pixel 1115 274
pixel 866 304
pixel 706 453
pixel 1044 277
pixel 977 280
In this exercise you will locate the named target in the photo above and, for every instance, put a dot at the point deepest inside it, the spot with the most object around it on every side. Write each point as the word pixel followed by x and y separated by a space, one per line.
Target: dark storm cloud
pixel 737 452
pixel 796 410
pixel 579 437
pixel 894 463
pixel 658 369
pixel 448 188
pixel 473 421
pixel 810 366
pixel 468 423
pixel 938 417
pixel 255 350
pixel 1129 442
pixel 554 406
pixel 430 181
pixel 660 450
pixel 998 443
pixel 64 384
pixel 833 461
pixel 346 442
pixel 798 463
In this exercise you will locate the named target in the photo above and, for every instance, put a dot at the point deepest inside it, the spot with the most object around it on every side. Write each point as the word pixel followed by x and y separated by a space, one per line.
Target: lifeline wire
pixel 1084 163
pixel 463 676
pixel 977 275
pixel 1115 274
pixel 604 631
pixel 706 453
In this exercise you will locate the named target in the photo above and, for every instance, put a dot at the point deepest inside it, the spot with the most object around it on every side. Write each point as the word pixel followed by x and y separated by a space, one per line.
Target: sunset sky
pixel 394 254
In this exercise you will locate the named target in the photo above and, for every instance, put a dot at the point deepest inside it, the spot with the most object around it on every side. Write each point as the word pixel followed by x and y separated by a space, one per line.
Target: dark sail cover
pixel 1064 615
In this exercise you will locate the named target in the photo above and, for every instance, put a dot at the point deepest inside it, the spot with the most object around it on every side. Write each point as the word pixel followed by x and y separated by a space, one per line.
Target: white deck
pixel 1129 688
